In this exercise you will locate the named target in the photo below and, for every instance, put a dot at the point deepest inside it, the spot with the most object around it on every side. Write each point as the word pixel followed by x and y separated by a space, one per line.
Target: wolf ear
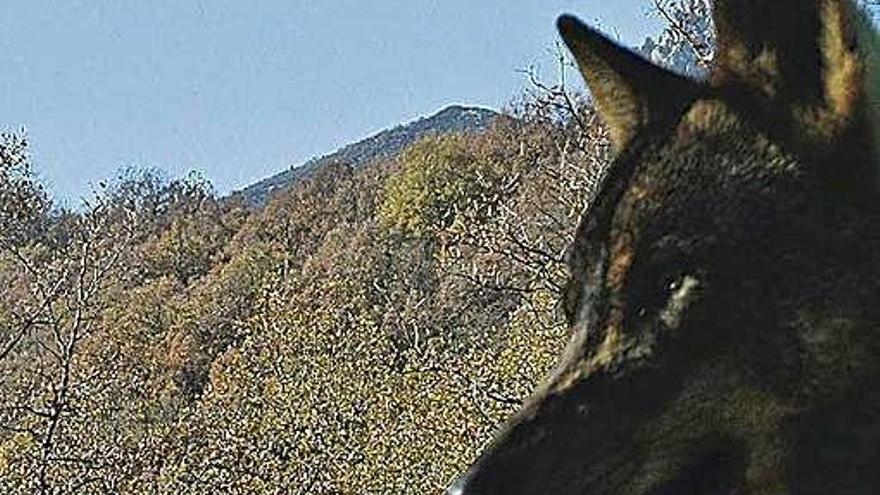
pixel 801 54
pixel 629 91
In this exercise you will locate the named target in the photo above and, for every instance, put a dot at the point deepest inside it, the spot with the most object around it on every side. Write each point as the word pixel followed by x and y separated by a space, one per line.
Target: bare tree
pixel 689 22
pixel 60 263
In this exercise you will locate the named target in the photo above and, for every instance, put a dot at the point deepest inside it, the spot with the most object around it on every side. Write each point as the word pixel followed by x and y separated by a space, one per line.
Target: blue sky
pixel 240 90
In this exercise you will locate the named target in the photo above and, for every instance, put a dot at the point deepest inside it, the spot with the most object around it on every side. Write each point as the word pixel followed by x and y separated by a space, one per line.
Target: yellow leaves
pixel 14 447
pixel 440 178
pixel 423 192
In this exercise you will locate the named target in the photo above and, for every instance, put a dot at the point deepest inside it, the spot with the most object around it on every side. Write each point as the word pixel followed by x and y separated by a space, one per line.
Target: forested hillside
pixel 365 332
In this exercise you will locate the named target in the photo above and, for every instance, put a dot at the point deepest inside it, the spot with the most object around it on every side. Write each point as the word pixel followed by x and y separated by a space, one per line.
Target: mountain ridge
pixel 381 145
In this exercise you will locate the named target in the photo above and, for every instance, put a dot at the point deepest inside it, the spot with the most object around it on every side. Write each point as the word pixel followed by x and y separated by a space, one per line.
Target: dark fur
pixel 725 287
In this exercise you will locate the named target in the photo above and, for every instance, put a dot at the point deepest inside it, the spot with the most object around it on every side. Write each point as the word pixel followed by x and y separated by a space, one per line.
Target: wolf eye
pixel 683 291
pixel 663 282
pixel 675 284
pixel 656 292
pixel 667 297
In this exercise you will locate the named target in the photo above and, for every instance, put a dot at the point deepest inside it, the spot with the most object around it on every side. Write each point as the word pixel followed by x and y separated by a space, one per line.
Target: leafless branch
pixel 698 47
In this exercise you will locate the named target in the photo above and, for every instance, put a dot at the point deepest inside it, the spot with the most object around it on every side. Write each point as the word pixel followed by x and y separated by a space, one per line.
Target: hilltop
pixel 385 144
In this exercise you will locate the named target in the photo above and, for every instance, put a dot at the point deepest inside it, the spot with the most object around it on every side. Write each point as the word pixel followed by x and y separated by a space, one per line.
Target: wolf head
pixel 725 284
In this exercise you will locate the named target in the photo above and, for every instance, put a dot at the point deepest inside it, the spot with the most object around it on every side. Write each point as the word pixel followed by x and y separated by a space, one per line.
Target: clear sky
pixel 240 90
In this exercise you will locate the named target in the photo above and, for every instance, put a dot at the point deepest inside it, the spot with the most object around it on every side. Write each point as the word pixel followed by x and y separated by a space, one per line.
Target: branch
pixel 676 26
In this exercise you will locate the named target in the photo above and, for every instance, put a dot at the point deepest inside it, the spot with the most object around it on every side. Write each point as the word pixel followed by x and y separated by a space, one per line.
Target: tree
pixel 687 43
pixel 62 273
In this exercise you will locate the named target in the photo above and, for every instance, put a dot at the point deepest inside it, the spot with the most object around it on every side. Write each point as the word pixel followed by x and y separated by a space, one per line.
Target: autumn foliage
pixel 365 332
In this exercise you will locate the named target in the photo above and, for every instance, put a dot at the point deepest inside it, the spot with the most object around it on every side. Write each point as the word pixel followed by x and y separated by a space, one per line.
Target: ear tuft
pixel 629 91
pixel 568 25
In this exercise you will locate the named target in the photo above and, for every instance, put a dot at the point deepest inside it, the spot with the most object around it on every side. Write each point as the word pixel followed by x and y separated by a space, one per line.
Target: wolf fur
pixel 724 295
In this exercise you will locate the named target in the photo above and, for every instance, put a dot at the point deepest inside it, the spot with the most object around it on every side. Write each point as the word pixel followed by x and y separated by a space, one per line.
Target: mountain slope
pixel 385 144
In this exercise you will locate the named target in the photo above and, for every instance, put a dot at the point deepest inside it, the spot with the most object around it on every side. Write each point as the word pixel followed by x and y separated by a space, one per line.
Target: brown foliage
pixel 316 346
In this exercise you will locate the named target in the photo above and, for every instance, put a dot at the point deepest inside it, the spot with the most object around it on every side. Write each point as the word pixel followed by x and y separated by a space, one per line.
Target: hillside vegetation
pixel 365 332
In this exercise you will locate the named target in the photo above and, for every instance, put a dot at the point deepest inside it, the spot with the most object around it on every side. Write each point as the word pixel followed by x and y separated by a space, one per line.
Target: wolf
pixel 724 295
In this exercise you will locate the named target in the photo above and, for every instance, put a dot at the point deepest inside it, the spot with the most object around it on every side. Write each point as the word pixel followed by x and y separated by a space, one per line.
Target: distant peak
pixel 457 108
pixel 455 118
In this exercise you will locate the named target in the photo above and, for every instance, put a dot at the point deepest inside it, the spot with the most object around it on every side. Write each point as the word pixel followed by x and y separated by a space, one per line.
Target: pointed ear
pixel 802 54
pixel 629 91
